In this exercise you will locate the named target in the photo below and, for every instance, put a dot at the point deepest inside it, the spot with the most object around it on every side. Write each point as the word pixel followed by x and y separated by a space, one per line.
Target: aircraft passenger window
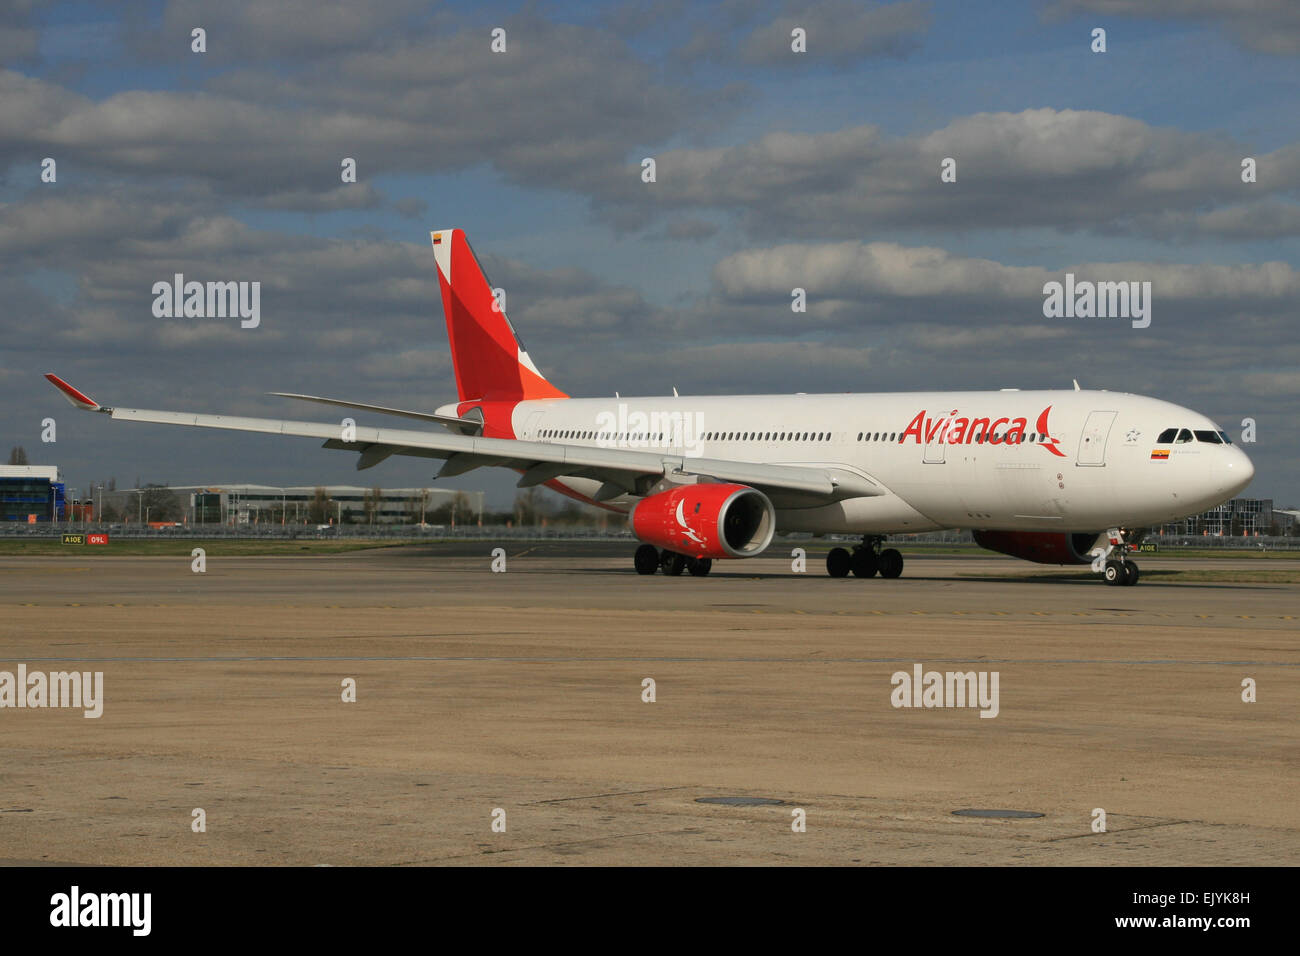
pixel 859 436
pixel 1166 436
pixel 1184 436
pixel 1209 437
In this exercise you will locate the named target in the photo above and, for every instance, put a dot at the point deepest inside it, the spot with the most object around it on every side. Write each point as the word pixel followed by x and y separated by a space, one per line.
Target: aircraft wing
pixel 621 471
pixel 451 421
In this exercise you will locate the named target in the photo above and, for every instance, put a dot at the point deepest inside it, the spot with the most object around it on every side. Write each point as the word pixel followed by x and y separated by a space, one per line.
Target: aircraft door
pixel 1092 444
pixel 934 449
pixel 531 427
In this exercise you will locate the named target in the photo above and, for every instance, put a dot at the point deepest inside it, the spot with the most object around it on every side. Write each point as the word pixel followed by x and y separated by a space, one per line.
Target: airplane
pixel 1051 476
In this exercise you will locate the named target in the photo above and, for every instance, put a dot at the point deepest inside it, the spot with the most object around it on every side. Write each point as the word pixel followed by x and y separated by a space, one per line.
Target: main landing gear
pixel 1113 561
pixel 649 559
pixel 866 560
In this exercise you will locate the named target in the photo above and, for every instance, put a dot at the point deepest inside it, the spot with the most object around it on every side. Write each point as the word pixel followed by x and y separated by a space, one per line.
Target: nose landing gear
pixel 1113 563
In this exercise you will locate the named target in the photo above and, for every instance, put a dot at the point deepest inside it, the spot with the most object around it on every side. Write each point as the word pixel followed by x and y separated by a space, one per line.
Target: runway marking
pixel 1149 826
pixel 706 609
pixel 598 796
pixel 546 846
pixel 260 659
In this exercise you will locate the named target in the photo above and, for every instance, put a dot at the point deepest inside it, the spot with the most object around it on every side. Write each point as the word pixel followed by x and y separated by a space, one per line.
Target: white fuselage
pixel 1013 460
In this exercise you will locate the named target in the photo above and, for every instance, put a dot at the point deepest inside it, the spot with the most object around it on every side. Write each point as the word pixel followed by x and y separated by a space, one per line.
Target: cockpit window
pixel 1208 436
pixel 1226 439
pixel 1184 436
pixel 1166 436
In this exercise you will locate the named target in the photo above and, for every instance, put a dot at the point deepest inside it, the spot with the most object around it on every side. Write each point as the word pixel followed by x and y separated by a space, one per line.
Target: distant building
pixel 329 504
pixel 1239 517
pixel 1287 521
pixel 31 493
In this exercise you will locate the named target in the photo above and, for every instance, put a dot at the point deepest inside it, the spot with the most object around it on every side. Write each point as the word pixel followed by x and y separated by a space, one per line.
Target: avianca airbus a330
pixel 1059 477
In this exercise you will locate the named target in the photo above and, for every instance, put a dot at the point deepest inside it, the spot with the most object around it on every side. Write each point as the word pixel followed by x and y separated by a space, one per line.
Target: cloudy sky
pixel 774 170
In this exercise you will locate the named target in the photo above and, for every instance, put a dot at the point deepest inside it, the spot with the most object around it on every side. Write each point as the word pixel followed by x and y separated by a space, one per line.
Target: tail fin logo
pixel 489 360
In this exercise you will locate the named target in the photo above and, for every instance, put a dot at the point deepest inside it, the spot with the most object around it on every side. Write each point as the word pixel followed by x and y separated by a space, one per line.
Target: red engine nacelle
pixel 706 520
pixel 1042 547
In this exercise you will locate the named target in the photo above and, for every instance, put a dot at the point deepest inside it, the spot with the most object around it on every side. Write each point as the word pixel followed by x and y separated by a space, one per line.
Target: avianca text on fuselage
pixel 952 429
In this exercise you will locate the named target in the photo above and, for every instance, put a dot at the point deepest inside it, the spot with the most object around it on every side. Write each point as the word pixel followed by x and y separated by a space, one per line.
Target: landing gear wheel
pixel 864 563
pixel 672 563
pixel 699 567
pixel 891 563
pixel 646 559
pixel 1131 574
pixel 1115 573
pixel 838 562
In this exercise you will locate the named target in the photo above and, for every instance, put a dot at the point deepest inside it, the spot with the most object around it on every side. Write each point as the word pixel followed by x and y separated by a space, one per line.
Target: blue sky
pixel 225 164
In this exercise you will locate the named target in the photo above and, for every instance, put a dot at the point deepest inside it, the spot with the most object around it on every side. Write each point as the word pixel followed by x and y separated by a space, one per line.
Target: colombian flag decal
pixel 1160 454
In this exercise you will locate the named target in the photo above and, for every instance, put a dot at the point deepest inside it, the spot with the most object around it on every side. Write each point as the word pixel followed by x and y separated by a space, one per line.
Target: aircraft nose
pixel 1236 471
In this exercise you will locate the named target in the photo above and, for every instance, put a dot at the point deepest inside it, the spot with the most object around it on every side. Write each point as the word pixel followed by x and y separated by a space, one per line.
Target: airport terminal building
pixel 329 504
pixel 31 494
pixel 1240 517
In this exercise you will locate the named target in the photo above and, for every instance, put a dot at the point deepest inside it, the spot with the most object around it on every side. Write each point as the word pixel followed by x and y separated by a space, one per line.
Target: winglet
pixel 80 399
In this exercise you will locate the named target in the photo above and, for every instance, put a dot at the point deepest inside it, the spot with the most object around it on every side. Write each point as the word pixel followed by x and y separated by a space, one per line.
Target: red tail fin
pixel 489 359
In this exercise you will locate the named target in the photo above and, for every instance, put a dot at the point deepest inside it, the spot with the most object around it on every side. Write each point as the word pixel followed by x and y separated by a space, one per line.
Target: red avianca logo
pixel 952 429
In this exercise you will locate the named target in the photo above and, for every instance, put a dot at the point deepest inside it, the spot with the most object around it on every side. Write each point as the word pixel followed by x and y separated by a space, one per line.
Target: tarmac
pixel 517 698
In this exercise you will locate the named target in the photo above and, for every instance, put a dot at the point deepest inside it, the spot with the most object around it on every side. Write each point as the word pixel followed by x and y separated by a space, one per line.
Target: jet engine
pixel 706 520
pixel 1042 547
